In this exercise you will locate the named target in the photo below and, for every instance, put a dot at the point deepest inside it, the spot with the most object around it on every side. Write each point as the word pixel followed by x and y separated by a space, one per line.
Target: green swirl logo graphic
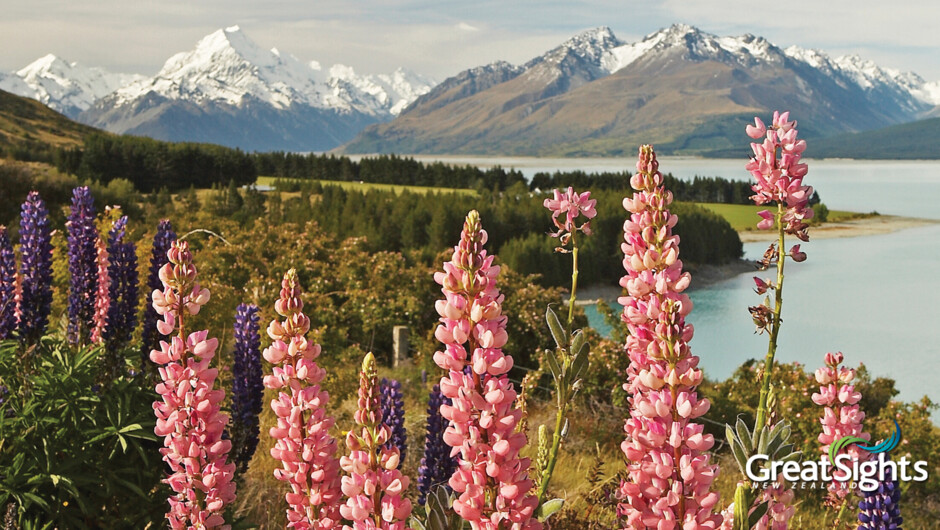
pixel 883 447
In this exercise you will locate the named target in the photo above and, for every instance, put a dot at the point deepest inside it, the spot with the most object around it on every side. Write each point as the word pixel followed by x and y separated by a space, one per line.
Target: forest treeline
pixel 151 165
pixel 516 220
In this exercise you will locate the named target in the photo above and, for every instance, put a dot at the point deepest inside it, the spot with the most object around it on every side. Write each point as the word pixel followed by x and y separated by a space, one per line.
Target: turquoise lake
pixel 875 298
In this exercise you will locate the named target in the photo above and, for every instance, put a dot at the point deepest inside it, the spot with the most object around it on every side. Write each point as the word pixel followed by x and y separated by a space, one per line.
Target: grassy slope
pixel 26 121
pixel 366 186
pixel 744 217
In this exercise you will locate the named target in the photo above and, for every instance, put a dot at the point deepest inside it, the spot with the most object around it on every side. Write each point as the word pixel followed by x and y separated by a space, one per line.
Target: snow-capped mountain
pixel 681 87
pixel 67 87
pixel 225 81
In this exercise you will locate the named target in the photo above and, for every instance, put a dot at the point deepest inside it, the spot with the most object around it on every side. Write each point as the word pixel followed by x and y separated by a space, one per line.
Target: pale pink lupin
pixel 188 416
pixel 842 416
pixel 374 486
pixel 669 473
pixel 303 444
pixel 491 481
pixel 102 297
pixel 779 173
pixel 570 204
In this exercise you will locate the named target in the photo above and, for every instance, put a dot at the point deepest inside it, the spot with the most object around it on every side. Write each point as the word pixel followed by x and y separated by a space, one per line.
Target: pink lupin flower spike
pixel 374 486
pixel 188 416
pixel 491 481
pixel 842 416
pixel 303 442
pixel 670 475
pixel 102 297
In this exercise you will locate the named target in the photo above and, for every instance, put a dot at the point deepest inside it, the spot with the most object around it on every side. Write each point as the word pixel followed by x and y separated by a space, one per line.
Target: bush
pixel 74 453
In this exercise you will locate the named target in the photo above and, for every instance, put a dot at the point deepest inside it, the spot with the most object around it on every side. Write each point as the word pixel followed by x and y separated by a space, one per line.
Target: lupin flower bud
pixel 303 442
pixel 669 473
pixel 393 415
pixel 189 417
pixel 161 245
pixel 35 292
pixel 374 486
pixel 247 385
pixel 437 465
pixel 842 417
pixel 7 285
pixel 122 274
pixel 491 481
pixel 83 267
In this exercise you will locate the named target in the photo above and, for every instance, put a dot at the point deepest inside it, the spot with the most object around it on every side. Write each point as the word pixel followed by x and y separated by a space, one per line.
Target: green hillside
pixel 26 123
pixel 908 141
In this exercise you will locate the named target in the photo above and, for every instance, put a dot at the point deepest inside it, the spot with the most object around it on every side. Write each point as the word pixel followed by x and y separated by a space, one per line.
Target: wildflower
pixel 393 415
pixel 247 386
pixel 437 465
pixel 669 473
pixel 841 417
pixel 374 486
pixel 122 291
pixel 570 204
pixel 303 443
pixel 7 285
pixel 879 509
pixel 102 297
pixel 161 244
pixel 35 283
pixel 491 481
pixel 780 178
pixel 83 268
pixel 189 417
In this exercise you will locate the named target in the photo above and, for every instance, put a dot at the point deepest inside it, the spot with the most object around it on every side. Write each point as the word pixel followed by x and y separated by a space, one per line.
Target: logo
pixel 844 469
pixel 884 447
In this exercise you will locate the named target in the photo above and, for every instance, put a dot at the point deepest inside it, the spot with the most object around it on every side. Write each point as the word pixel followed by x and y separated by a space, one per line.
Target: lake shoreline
pixel 706 275
pixel 867 226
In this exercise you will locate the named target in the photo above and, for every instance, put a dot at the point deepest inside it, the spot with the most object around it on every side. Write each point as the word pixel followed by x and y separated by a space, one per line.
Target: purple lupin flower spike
pixel 83 266
pixel 879 509
pixel 247 385
pixel 393 415
pixel 7 285
pixel 35 300
pixel 150 339
pixel 123 292
pixel 437 465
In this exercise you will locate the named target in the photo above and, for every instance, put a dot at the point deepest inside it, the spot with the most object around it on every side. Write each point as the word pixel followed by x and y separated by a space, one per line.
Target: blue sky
pixel 441 38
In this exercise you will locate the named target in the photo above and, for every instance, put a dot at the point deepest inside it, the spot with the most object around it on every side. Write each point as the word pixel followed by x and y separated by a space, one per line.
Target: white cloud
pixel 463 26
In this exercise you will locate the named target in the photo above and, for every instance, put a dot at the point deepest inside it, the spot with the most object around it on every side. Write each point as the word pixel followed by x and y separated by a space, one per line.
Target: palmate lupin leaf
pixel 440 515
pixel 768 441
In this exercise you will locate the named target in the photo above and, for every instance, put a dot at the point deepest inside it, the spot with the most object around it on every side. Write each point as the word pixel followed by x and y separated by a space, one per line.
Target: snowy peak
pixel 696 45
pixel 62 85
pixel 228 67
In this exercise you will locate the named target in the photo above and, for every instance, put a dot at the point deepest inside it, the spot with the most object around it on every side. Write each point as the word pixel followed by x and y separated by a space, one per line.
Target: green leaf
pixel 558 331
pixel 744 435
pixel 548 508
pixel 758 512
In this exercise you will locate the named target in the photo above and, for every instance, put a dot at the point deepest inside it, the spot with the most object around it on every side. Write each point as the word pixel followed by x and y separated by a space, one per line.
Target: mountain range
pixel 685 90
pixel 227 90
